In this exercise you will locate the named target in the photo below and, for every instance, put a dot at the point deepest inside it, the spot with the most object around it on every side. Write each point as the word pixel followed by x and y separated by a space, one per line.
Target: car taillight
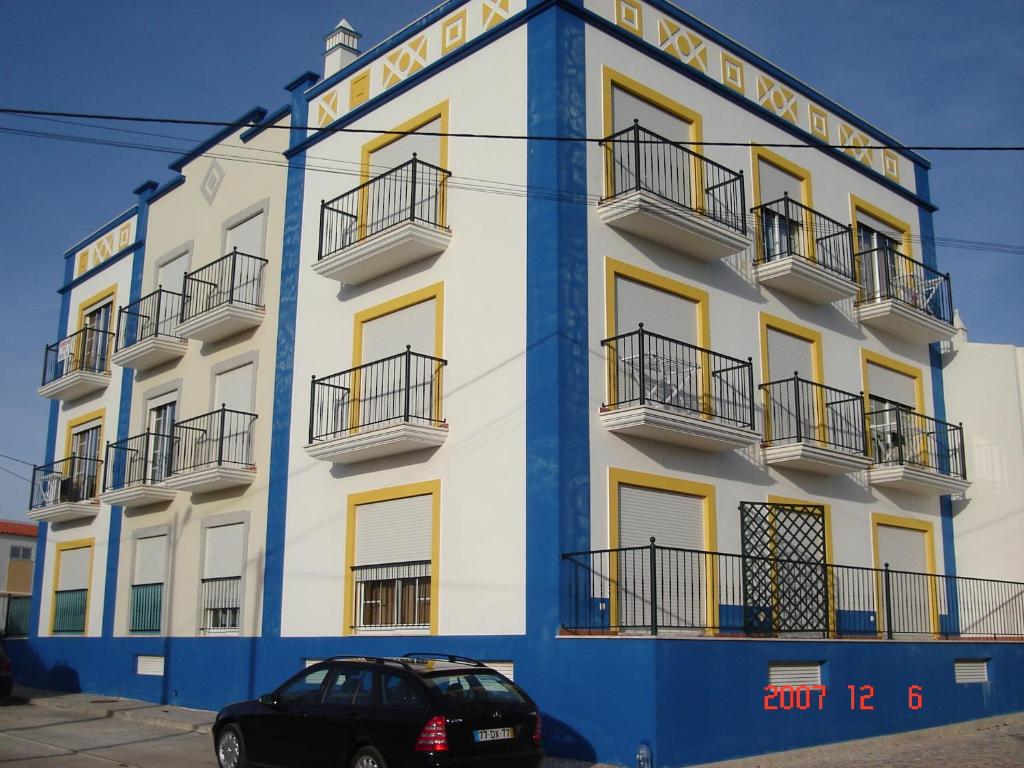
pixel 536 730
pixel 433 737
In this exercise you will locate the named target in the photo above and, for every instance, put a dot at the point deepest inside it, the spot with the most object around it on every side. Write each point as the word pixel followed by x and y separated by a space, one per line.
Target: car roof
pixel 420 663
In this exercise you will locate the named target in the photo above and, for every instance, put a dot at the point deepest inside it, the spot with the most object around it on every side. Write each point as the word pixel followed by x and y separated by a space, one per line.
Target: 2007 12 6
pixel 804 697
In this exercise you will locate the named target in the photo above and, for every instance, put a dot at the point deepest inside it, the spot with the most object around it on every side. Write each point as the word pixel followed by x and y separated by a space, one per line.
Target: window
pixel 220 601
pixel 781 224
pixel 247 239
pixel 398 691
pixel 171 274
pixel 21 553
pixel 71 596
pixel 148 575
pixel 162 415
pixel 483 686
pixel 83 471
pixel 305 689
pixel 95 339
pixel 352 687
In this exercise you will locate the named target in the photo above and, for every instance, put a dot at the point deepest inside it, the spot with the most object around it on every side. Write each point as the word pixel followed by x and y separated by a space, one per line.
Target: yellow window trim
pixel 617 477
pixel 60 549
pixel 793 329
pixel 883 361
pixel 94 301
pixel 760 155
pixel 913 524
pixel 435 291
pixel 897 224
pixel 80 421
pixel 615 268
pixel 429 487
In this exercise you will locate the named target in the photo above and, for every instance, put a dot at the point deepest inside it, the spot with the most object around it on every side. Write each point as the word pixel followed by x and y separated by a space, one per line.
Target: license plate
pixel 492 734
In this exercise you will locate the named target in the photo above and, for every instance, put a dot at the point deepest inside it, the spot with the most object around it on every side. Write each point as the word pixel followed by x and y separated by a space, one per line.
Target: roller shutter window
pixel 247 237
pixel 782 234
pixel 892 386
pixel 150 560
pixel 892 395
pixel 788 353
pixel 387 202
pixel 904 549
pixel 171 274
pixel 74 569
pixel 223 553
pixel 394 531
pixel 235 389
pixel 877 244
pixel 676 521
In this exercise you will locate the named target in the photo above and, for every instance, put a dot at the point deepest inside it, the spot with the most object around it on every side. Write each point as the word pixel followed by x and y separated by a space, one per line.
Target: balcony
pixel 803 253
pixel 223 298
pixel 213 452
pixel 664 192
pixel 916 453
pixel 147 331
pixel 136 468
pixel 653 590
pixel 904 297
pixel 384 408
pixel 389 222
pixel 672 392
pixel 77 365
pixel 813 428
pixel 65 490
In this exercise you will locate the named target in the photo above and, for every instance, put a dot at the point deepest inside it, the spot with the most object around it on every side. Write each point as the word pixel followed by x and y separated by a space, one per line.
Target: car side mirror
pixel 270 699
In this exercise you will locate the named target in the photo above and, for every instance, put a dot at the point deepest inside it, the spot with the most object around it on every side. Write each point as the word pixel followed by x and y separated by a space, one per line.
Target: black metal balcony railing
pixel 885 273
pixel 404 387
pixel 645 368
pixel 788 228
pixel 86 350
pixel 233 279
pixel 140 460
pixel 641 160
pixel 154 315
pixel 220 604
pixel 801 411
pixel 898 436
pixel 68 480
pixel 414 191
pixel 392 595
pixel 652 588
pixel 69 610
pixel 14 611
pixel 220 438
pixel 146 607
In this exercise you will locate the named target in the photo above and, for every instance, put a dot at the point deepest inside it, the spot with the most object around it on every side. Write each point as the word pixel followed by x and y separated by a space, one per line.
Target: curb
pixel 146 718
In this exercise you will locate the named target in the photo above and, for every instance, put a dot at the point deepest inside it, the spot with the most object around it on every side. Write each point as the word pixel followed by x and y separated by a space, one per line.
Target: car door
pixel 397 723
pixel 279 734
pixel 349 703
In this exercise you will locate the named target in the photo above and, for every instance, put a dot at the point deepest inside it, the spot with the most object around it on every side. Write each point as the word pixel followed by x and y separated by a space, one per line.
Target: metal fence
pixel 146 608
pixel 14 612
pixel 641 160
pixel 645 368
pixel 788 228
pixel 86 350
pixel 414 191
pixel 138 460
pixel 68 480
pixel 652 588
pixel 798 410
pixel 220 604
pixel 406 387
pixel 222 437
pixel 392 595
pixel 69 610
pixel 898 436
pixel 154 315
pixel 885 273
pixel 233 279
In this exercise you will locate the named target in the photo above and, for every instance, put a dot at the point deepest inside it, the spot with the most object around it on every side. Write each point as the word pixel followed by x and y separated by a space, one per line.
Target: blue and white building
pixel 653 423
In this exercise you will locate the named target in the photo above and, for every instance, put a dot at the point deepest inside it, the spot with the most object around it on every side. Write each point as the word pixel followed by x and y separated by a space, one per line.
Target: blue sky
pixel 926 72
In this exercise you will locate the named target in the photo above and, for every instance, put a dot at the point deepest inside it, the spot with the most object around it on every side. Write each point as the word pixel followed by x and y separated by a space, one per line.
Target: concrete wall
pixel 16 575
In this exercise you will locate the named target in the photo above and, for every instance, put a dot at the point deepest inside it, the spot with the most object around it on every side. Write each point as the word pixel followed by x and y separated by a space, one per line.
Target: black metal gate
pixel 785 579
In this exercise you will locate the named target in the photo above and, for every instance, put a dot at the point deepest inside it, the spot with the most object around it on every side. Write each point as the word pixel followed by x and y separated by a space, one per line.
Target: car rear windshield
pixel 474 686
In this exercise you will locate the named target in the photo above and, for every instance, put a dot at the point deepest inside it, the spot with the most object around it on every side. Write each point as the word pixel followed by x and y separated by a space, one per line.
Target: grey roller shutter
pixel 394 531
pixel 626 107
pixel 879 226
pixel 661 312
pixel 892 386
pixel 794 673
pixel 234 388
pixel 971 670
pixel 171 274
pixel 427 149
pixel 775 182
pixel 223 555
pixel 788 353
pixel 247 236
pixel 674 519
pixel 74 568
pixel 150 560
pixel 388 335
pixel 902 548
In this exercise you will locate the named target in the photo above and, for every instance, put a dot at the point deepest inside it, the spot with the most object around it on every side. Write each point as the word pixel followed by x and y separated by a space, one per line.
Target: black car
pixel 415 711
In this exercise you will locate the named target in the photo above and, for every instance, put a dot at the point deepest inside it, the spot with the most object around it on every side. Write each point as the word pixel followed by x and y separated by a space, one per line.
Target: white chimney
pixel 341 48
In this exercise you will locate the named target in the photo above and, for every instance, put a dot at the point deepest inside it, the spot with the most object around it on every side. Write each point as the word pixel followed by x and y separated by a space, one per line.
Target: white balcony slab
pixel 65 511
pixel 384 252
pixel 376 443
pixel 74 385
pixel 904 321
pixel 672 225
pixel 141 495
pixel 150 352
pixel 221 322
pixel 677 428
pixel 916 479
pixel 212 478
pixel 815 459
pixel 804 279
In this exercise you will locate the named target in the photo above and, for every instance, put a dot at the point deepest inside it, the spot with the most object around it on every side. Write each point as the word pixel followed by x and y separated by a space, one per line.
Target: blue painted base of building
pixel 691 700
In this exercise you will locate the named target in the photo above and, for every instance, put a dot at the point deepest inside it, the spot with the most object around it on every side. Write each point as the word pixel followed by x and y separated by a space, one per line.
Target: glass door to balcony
pixel 85 447
pixel 878 261
pixel 161 449
pixel 94 345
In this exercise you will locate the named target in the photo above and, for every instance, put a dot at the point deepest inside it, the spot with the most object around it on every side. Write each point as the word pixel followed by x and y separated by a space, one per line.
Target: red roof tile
pixel 12 528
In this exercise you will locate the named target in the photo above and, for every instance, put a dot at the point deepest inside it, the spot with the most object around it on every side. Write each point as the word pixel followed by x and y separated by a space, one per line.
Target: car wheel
pixel 367 757
pixel 230 748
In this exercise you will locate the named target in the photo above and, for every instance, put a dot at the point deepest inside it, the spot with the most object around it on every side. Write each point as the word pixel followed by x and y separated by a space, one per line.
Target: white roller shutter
pixel 74 568
pixel 902 548
pixel 879 226
pixel 171 275
pixel 794 673
pixel 661 312
pixel 890 385
pixel 775 182
pixel 247 237
pixel 234 388
pixel 788 353
pixel 223 555
pixel 626 107
pixel 674 519
pixel 971 670
pixel 150 560
pixel 388 335
pixel 427 149
pixel 394 531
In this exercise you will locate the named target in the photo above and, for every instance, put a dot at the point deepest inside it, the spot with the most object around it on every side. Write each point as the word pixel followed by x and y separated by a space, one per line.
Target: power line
pixel 492 136
pixel 15 474
pixel 20 461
